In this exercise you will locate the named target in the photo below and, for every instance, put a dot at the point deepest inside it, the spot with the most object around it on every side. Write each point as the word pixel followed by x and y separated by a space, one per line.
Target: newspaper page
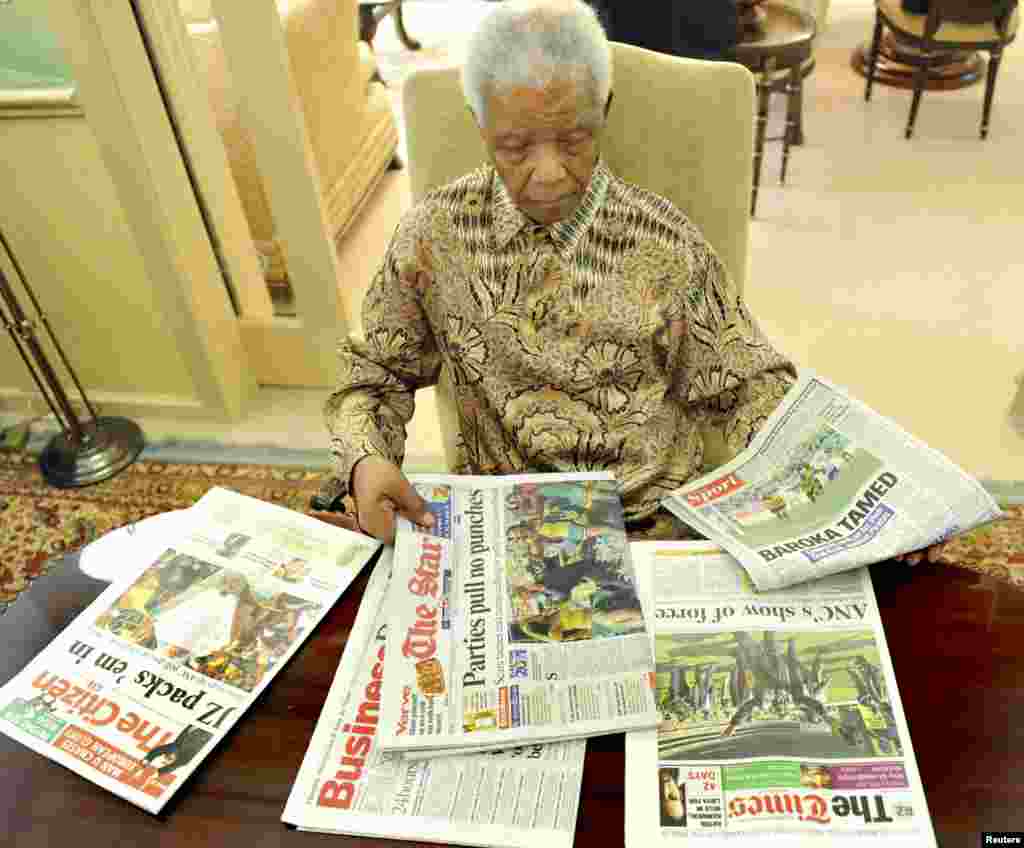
pixel 829 485
pixel 516 618
pixel 520 797
pixel 780 715
pixel 136 691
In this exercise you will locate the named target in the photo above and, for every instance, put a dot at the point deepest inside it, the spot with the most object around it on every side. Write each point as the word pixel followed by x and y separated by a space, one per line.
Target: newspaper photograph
pixel 779 712
pixel 829 485
pixel 515 618
pixel 520 797
pixel 144 682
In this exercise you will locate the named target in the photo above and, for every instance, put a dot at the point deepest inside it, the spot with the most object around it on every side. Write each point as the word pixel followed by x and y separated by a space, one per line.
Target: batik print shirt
pixel 606 341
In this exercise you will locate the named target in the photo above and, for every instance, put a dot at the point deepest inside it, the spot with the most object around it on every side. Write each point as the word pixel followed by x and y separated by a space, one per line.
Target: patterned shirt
pixel 606 341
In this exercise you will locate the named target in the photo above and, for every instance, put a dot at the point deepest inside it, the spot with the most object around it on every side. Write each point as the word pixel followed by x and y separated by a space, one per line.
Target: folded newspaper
pixel 780 716
pixel 137 690
pixel 521 797
pixel 829 485
pixel 515 619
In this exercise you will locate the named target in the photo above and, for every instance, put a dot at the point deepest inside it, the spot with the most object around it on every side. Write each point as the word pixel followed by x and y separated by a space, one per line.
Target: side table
pixel 785 45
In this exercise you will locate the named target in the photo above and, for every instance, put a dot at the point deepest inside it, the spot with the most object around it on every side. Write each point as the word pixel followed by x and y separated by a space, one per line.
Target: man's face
pixel 544 144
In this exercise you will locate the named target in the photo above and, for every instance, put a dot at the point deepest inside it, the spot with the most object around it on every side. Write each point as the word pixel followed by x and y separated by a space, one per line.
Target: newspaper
pixel 522 797
pixel 829 485
pixel 780 715
pixel 135 692
pixel 515 619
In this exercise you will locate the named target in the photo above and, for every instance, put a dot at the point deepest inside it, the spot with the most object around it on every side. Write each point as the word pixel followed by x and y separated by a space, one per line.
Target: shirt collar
pixel 509 221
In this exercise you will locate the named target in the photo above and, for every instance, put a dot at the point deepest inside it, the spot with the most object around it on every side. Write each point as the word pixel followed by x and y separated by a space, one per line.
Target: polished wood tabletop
pixel 957 644
pixel 788 34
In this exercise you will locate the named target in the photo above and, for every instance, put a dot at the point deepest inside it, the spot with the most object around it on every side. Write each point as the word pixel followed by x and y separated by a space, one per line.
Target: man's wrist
pixel 352 474
pixel 334 491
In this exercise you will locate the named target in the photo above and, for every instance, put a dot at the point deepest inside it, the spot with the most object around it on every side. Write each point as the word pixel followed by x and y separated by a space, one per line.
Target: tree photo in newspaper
pixel 137 689
pixel 520 797
pixel 779 712
pixel 828 485
pixel 515 618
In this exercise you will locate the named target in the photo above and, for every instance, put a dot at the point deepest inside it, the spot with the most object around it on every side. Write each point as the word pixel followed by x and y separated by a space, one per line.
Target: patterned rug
pixel 40 523
pixel 995 549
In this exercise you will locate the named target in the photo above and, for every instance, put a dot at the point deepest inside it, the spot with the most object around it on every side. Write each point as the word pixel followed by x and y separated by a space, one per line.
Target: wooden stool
pixel 786 45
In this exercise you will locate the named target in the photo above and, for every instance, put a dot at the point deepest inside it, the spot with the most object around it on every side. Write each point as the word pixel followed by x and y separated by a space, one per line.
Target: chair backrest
pixel 970 12
pixel 680 127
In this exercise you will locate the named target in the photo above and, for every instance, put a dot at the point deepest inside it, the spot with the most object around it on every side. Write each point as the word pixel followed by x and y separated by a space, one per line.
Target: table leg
pixel 789 136
pixel 915 103
pixel 995 57
pixel 764 90
pixel 798 109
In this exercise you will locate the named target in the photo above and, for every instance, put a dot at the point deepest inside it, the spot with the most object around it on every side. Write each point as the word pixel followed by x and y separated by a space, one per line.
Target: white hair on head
pixel 531 43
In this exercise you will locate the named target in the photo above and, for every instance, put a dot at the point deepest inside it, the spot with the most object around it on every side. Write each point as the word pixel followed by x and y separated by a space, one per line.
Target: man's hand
pixel 380 490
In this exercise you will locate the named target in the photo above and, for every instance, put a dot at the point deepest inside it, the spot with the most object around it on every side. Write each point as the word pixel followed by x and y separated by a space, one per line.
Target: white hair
pixel 531 43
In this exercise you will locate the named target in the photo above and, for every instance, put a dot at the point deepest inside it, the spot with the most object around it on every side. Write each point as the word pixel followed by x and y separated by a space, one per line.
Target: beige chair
pixel 348 117
pixel 680 127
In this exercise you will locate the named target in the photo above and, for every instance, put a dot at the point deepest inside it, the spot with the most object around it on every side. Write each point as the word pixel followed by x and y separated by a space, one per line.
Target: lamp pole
pixel 84 452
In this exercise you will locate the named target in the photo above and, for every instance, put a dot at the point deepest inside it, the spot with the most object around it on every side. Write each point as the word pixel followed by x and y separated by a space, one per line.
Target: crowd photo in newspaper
pixel 516 798
pixel 829 485
pixel 140 686
pixel 515 618
pixel 779 712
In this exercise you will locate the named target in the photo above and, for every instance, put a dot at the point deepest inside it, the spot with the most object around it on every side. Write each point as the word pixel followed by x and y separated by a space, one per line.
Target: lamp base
pixel 110 445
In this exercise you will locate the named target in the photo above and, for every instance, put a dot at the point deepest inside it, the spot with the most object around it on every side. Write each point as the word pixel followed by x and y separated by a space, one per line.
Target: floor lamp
pixel 84 452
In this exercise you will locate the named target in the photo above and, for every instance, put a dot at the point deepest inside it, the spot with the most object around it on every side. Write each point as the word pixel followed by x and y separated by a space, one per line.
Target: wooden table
pixel 786 44
pixel 957 643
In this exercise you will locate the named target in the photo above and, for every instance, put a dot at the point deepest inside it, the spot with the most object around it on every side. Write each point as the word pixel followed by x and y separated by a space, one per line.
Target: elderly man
pixel 585 322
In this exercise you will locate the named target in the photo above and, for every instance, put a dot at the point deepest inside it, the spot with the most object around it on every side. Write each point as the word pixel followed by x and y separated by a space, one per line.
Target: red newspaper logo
pixel 504 722
pixel 714 490
pixel 112 762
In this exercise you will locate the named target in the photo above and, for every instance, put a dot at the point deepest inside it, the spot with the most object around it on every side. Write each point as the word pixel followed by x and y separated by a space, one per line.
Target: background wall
pixel 68 231
pixel 29 53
